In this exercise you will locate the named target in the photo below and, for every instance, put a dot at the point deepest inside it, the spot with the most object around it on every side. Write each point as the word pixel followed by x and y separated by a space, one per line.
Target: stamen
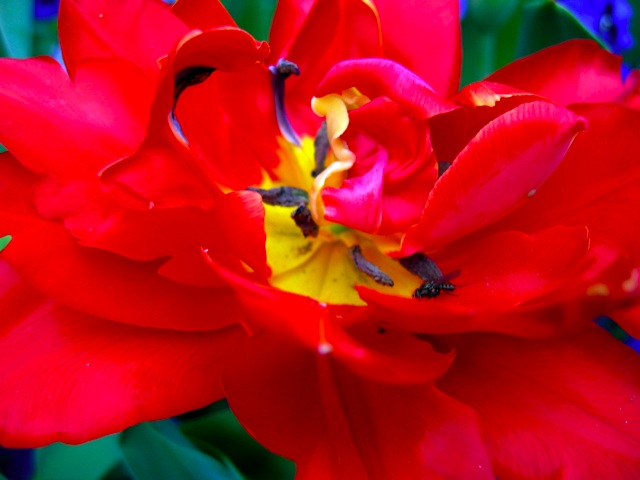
pixel 425 268
pixel 443 167
pixel 184 79
pixel 321 147
pixel 279 73
pixel 304 220
pixel 189 77
pixel 365 266
pixel 282 196
pixel 422 266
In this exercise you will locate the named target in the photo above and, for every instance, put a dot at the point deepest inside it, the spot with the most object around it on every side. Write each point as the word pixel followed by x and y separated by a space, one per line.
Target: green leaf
pixel 488 33
pixel 547 23
pixel 4 241
pixel 479 47
pixel 89 461
pixel 254 16
pixel 632 55
pixel 16 27
pixel 220 429
pixel 2 477
pixel 160 452
pixel 490 14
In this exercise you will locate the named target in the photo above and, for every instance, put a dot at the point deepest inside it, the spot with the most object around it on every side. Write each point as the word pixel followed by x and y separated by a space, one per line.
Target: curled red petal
pixel 482 102
pixel 585 190
pixel 71 377
pixel 387 187
pixel 565 408
pixel 164 172
pixel 375 77
pixel 508 159
pixel 230 124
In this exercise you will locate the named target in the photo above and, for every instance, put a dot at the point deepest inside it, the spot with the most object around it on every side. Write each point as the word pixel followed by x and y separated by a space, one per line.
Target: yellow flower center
pixel 323 266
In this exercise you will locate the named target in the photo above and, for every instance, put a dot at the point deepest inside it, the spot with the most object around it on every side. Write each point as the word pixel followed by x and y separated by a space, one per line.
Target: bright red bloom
pixel 428 310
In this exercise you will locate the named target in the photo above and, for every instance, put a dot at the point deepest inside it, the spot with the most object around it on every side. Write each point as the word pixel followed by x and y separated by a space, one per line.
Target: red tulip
pixel 412 296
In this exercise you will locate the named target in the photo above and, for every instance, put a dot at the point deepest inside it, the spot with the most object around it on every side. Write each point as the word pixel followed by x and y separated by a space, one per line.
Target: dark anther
pixel 284 68
pixel 189 77
pixel 381 329
pixel 321 149
pixel 425 268
pixel 279 73
pixel 422 266
pixel 304 220
pixel 365 266
pixel 184 79
pixel 443 167
pixel 282 196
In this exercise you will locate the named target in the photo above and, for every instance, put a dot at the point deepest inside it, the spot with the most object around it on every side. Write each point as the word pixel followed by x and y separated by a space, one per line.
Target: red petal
pixel 239 217
pixel 574 71
pixel 235 224
pixel 67 376
pixel 377 77
pixel 334 30
pixel 482 102
pixel 109 286
pixel 509 158
pixel 15 182
pixel 357 203
pixel 139 31
pixel 164 172
pixel 501 276
pixel 589 191
pixel 287 20
pixel 388 185
pixel 424 36
pixel 566 408
pixel 337 425
pixel 82 131
pixel 305 322
pixel 203 14
pixel 230 123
